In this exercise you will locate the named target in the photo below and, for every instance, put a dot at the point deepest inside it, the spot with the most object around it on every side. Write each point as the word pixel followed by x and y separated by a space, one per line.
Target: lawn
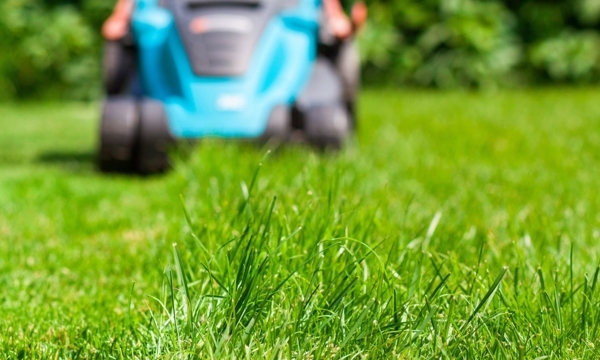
pixel 456 225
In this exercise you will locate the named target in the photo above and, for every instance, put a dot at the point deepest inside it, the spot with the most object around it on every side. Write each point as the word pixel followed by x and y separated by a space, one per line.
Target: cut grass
pixel 460 226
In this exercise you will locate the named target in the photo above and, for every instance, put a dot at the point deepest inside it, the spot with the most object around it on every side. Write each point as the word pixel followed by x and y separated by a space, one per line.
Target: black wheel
pixel 118 134
pixel 119 66
pixel 155 138
pixel 351 108
pixel 279 125
pixel 348 65
pixel 327 126
pixel 344 56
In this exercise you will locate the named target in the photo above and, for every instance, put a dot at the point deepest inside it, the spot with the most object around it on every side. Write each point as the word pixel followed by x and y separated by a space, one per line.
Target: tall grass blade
pixel 490 293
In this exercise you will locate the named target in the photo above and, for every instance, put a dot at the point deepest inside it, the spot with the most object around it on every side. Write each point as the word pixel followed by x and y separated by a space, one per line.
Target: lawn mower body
pixel 225 68
pixel 220 70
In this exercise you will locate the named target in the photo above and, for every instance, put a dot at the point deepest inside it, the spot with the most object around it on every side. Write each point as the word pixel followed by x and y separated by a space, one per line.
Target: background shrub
pixel 51 48
pixel 47 51
pixel 455 43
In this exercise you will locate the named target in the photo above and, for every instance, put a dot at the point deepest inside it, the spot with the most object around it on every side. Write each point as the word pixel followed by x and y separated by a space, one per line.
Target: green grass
pixel 458 226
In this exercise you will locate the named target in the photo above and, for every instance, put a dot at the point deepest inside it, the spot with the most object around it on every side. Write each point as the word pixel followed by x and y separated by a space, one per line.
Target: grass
pixel 458 226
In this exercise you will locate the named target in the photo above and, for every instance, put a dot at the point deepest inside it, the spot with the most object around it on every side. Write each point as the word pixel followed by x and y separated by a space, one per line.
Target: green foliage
pixel 459 43
pixel 52 47
pixel 481 43
pixel 588 11
pixel 46 51
pixel 570 56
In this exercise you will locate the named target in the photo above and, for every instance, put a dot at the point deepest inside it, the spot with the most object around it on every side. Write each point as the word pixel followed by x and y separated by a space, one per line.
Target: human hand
pixel 115 28
pixel 359 15
pixel 117 25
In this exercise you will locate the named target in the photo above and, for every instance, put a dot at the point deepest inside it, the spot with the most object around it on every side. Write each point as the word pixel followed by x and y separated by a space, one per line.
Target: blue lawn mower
pixel 189 69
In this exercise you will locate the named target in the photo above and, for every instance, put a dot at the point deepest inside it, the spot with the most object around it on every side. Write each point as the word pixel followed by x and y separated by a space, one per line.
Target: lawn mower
pixel 191 69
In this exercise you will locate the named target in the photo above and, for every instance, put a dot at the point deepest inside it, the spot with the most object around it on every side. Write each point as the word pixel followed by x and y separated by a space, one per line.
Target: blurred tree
pixel 52 47
pixel 571 56
pixel 482 43
pixel 453 43
pixel 49 50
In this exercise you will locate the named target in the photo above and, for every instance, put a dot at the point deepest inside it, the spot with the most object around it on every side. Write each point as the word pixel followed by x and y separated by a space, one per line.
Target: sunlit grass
pixel 457 226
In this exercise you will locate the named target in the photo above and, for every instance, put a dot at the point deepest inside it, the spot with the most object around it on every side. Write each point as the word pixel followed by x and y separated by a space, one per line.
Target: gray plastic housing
pixel 220 36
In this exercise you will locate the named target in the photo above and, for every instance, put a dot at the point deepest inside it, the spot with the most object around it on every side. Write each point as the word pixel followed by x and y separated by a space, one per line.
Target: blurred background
pixel 50 49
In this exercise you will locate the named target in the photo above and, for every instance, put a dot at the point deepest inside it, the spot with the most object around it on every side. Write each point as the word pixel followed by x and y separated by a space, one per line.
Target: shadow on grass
pixel 87 162
pixel 73 161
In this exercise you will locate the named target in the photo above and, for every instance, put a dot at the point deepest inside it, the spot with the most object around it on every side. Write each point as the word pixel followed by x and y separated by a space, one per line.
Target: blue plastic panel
pixel 227 107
